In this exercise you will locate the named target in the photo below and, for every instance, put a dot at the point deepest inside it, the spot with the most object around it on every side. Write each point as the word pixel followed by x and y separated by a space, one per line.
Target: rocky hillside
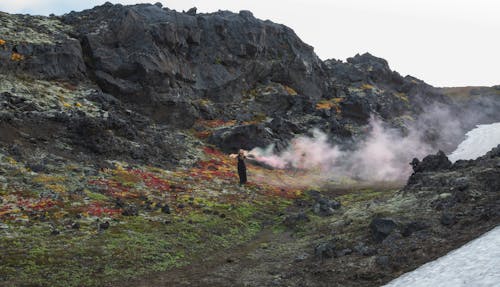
pixel 137 81
pixel 115 124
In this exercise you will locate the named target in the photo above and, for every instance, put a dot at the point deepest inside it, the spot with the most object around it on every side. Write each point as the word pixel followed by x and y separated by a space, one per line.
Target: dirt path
pixel 243 265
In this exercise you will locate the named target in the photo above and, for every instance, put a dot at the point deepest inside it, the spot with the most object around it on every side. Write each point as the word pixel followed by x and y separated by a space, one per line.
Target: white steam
pixel 383 156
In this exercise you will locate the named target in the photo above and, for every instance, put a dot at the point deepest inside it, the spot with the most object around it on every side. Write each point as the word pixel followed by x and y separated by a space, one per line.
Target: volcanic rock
pixel 325 250
pixel 381 228
pixel 435 162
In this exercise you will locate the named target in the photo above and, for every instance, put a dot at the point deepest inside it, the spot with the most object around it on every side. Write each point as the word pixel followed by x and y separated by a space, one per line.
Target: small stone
pixel 461 183
pixel 364 250
pixel 165 209
pixel 104 225
pixel 295 219
pixel 301 257
pixel 383 261
pixel 412 227
pixel 130 211
pixel 325 250
pixel 448 219
pixel 444 195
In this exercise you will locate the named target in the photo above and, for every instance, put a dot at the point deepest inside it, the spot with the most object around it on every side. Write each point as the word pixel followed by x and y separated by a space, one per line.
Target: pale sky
pixel 443 42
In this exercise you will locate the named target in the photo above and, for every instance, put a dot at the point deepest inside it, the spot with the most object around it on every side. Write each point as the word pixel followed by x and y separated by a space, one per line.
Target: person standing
pixel 242 168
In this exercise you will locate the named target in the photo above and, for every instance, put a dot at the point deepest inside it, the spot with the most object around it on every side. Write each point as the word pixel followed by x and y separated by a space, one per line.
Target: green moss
pixel 364 195
pixel 130 247
pixel 95 195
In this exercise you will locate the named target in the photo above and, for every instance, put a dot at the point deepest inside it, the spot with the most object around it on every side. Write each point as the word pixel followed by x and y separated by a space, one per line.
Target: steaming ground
pixel 478 142
pixel 383 156
pixel 474 264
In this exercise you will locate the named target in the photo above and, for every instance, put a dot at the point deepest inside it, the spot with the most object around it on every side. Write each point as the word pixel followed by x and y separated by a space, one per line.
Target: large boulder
pixel 231 139
pixel 436 162
pixel 381 228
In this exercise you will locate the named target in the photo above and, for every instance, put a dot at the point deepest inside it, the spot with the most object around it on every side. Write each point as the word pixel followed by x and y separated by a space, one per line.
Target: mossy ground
pixel 208 211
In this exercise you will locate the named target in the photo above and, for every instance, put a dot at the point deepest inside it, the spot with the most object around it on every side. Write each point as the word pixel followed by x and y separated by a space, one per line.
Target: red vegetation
pixel 96 209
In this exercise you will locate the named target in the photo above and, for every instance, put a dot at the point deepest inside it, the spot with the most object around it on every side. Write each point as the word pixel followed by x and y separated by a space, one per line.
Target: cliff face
pixel 151 77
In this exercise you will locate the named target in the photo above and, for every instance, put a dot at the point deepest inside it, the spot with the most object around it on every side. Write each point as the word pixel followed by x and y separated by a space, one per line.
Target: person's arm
pixel 248 154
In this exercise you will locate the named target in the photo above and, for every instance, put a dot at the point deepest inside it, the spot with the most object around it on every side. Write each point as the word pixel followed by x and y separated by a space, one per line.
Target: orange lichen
pixel 16 57
pixel 2 42
pixel 365 87
pixel 329 104
pixel 216 123
pixel 203 134
pixel 290 91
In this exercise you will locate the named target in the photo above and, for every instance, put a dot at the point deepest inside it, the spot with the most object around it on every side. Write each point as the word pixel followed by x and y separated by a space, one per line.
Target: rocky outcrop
pixel 156 56
pixel 435 162
pixel 39 47
pixel 174 69
pixel 460 186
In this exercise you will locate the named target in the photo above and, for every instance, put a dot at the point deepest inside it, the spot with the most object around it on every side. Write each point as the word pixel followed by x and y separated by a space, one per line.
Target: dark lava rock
pixel 381 228
pixel 130 210
pixel 104 225
pixel 119 203
pixel 60 57
pixel 150 56
pixel 314 194
pixel 436 162
pixel 325 250
pixel 493 153
pixel 36 167
pixel 490 179
pixel 295 219
pixel 414 226
pixel 165 209
pixel 301 257
pixel 448 219
pixel 383 261
pixel 364 249
pixel 343 252
pixel 461 183
pixel 192 11
pixel 232 139
pixel 325 207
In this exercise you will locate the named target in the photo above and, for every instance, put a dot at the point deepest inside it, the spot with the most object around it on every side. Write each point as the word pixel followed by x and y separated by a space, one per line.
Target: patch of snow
pixel 479 141
pixel 475 264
